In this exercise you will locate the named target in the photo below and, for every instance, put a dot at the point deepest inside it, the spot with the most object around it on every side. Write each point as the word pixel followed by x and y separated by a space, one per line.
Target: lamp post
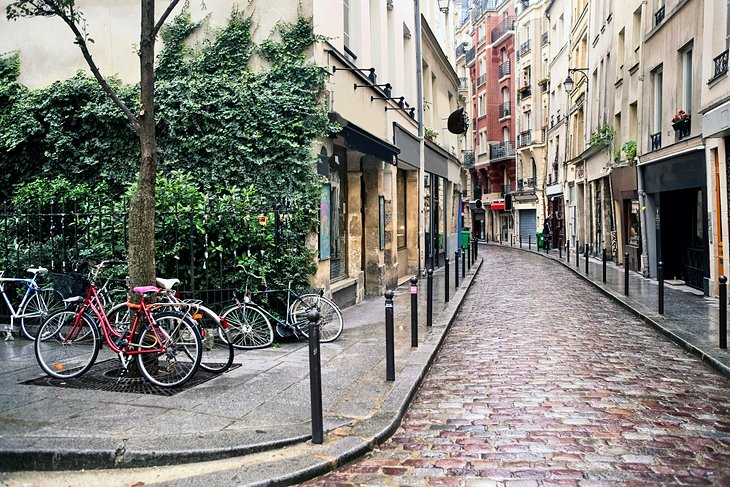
pixel 569 84
pixel 444 6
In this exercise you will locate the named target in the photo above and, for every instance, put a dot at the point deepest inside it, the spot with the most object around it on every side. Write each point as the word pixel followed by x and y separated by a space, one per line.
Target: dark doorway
pixel 684 242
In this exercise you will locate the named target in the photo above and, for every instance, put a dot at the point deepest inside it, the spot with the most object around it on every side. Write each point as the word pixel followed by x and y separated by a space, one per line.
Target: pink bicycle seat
pixel 145 289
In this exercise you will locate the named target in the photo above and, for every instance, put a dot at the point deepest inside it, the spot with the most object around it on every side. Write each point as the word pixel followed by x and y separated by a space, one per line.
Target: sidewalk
pixel 261 406
pixel 689 318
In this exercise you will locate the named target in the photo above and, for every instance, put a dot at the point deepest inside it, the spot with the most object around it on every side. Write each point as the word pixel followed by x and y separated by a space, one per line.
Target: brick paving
pixel 542 381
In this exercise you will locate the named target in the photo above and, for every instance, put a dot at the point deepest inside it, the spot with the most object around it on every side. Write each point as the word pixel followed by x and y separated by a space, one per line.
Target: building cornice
pixel 429 37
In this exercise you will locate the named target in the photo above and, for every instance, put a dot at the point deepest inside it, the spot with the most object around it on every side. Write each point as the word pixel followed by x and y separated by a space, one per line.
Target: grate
pixel 104 376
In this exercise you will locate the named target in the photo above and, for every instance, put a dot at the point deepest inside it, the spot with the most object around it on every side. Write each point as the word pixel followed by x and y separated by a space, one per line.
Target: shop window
pixel 401 201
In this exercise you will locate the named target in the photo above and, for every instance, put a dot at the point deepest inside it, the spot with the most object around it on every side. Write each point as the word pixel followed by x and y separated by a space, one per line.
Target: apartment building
pixel 492 89
pixel 380 177
pixel 531 112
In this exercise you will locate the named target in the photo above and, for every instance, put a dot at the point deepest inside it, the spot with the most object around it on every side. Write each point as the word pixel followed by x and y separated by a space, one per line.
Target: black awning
pixel 362 141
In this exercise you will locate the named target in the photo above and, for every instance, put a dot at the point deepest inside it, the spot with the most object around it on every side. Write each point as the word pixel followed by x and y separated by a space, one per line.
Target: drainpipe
pixel 421 148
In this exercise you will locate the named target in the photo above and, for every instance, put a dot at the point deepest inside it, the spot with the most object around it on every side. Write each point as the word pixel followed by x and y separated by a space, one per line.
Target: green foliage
pixel 629 148
pixel 602 137
pixel 232 143
pixel 430 133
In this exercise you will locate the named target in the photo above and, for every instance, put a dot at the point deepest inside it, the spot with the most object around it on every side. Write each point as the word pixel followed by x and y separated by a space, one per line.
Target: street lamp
pixel 444 6
pixel 569 84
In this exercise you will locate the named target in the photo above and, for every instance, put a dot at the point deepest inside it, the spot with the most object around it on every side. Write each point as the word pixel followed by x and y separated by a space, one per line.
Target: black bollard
pixel 446 279
pixel 586 259
pixel 604 264
pixel 723 312
pixel 389 337
pixel 315 377
pixel 414 311
pixel 626 273
pixel 476 250
pixel 567 251
pixel 520 240
pixel 660 281
pixel 529 242
pixel 456 269
pixel 468 252
pixel 463 262
pixel 560 248
pixel 511 240
pixel 429 298
pixel 577 253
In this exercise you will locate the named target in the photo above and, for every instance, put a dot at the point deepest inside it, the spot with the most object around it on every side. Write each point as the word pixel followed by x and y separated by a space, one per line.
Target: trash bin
pixel 540 240
pixel 465 234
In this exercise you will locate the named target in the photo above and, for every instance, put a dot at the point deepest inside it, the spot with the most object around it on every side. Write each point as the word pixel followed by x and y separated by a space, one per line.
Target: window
pixel 401 200
pixel 658 76
pixel 621 53
pixel 346 29
pixel 633 121
pixel 687 79
pixel 482 105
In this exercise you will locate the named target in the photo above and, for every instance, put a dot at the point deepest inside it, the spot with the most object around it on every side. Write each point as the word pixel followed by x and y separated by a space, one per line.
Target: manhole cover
pixel 104 376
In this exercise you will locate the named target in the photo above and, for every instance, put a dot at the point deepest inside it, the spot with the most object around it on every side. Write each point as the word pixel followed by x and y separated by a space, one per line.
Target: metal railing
pixel 505 109
pixel 471 55
pixel 544 39
pixel 682 129
pixel 659 16
pixel 720 63
pixel 463 83
pixel 503 149
pixel 525 92
pixel 656 141
pixel 460 50
pixel 469 159
pixel 508 24
pixel 482 79
pixel 525 138
pixel 503 69
pixel 524 48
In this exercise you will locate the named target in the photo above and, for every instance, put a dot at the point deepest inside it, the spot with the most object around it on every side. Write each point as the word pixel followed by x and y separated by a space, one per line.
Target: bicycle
pixel 167 346
pixel 217 352
pixel 35 305
pixel 249 324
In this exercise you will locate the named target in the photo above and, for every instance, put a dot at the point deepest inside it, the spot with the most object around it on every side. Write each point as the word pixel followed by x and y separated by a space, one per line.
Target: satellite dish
pixel 458 123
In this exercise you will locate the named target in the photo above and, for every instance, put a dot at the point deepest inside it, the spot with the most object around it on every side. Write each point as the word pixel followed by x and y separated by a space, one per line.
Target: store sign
pixel 497 205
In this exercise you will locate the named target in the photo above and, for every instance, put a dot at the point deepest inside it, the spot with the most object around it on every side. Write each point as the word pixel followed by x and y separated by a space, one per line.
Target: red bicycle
pixel 166 344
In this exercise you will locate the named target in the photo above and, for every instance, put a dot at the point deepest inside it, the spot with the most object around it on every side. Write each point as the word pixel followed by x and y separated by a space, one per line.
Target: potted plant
pixel 680 120
pixel 430 134
pixel 629 149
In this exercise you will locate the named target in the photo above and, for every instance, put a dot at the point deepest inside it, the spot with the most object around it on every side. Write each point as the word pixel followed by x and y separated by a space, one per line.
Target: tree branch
pixel 164 17
pixel 81 41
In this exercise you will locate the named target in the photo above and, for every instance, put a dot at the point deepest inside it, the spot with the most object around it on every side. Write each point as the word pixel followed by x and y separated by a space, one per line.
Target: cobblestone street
pixel 544 381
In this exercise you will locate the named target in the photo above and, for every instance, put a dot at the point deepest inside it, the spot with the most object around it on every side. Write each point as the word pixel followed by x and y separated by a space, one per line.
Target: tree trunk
pixel 142 204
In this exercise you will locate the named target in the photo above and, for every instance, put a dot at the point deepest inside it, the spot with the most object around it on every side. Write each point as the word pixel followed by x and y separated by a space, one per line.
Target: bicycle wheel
pixel 248 327
pixel 330 322
pixel 66 347
pixel 217 351
pixel 181 358
pixel 40 304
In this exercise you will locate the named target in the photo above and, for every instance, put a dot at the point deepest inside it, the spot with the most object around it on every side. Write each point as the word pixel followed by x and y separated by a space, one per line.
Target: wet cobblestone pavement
pixel 542 381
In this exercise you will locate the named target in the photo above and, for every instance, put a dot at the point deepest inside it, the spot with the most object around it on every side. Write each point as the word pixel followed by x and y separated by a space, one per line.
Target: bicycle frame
pixel 287 322
pixel 31 287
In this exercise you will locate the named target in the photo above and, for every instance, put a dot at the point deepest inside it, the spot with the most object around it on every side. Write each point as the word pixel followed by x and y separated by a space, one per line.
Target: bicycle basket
pixel 70 285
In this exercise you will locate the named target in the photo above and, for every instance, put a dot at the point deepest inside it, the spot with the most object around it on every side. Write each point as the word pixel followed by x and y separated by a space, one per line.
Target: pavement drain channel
pixel 104 376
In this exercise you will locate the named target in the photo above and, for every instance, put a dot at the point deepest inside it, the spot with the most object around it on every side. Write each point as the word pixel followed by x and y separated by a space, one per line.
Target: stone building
pixel 385 191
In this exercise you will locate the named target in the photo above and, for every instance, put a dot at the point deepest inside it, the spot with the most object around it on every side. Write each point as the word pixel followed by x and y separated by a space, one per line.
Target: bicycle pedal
pixel 9 337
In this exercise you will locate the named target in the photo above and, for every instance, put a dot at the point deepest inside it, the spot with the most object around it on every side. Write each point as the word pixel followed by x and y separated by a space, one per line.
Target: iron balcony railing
pixel 504 69
pixel 463 83
pixel 505 110
pixel 461 50
pixel 656 141
pixel 525 138
pixel 682 129
pixel 544 39
pixel 501 150
pixel 482 79
pixel 524 48
pixel 470 55
pixel 469 159
pixel 720 66
pixel 659 16
pixel 525 92
pixel 507 25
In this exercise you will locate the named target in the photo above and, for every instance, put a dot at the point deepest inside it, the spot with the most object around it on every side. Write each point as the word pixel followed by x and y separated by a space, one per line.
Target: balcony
pixel 524 48
pixel 461 50
pixel 525 138
pixel 507 25
pixel 502 150
pixel 482 79
pixel 544 39
pixel 656 141
pixel 720 66
pixel 659 16
pixel 504 69
pixel 682 129
pixel 482 40
pixel 524 92
pixel 468 159
pixel 471 55
pixel 463 83
pixel 505 110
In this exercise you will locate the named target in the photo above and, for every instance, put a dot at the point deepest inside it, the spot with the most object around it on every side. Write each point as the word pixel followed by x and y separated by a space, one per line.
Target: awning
pixel 362 141
pixel 497 205
pixel 408 144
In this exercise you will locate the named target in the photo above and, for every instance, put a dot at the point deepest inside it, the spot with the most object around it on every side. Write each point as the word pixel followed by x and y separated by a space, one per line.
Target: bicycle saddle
pixel 167 284
pixel 38 270
pixel 145 289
